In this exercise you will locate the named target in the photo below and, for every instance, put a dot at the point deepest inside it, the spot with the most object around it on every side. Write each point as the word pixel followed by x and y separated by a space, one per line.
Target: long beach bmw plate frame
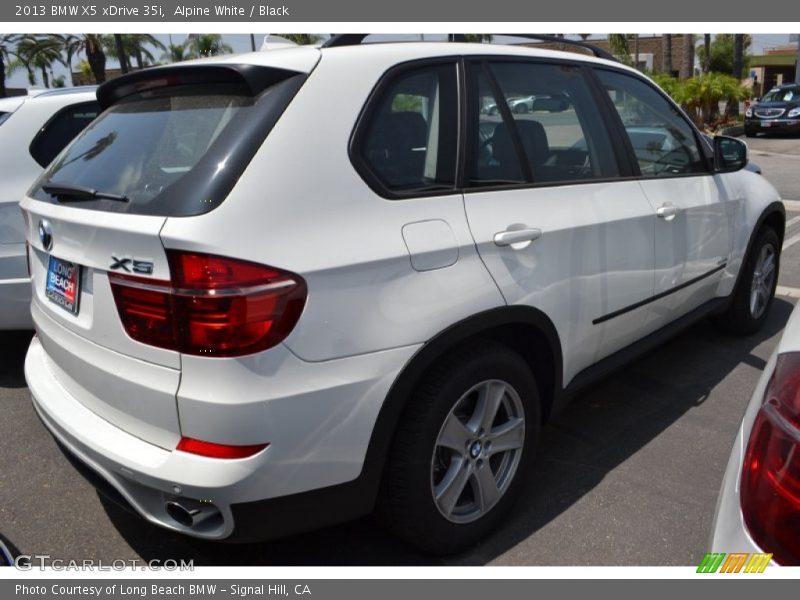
pixel 63 284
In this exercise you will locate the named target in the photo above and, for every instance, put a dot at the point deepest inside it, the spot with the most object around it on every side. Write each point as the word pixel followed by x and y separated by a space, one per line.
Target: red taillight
pixel 212 450
pixel 770 490
pixel 212 306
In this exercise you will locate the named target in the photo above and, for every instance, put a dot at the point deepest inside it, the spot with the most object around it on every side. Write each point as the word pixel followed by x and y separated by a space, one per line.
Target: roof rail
pixel 354 39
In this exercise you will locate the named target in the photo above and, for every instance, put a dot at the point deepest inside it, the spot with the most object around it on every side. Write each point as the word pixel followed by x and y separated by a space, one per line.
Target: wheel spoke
pixel 489 398
pixel 454 434
pixel 449 490
pixel 508 436
pixel 768 266
pixel 485 487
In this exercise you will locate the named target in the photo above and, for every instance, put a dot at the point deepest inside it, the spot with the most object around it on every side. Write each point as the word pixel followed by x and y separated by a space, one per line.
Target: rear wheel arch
pixel 526 330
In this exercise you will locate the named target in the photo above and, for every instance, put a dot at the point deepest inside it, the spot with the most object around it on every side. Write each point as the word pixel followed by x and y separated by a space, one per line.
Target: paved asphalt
pixel 627 475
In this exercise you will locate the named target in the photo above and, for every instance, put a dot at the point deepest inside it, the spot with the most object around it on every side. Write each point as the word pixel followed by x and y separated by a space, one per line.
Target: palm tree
pixel 92 45
pixel 138 46
pixel 175 53
pixel 38 52
pixel 122 57
pixel 666 51
pixel 6 42
pixel 706 52
pixel 618 42
pixel 738 67
pixel 69 45
pixel 206 44
pixel 687 57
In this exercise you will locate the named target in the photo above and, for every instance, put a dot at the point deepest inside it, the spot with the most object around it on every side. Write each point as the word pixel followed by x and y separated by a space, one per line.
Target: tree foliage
pixel 721 54
pixel 701 95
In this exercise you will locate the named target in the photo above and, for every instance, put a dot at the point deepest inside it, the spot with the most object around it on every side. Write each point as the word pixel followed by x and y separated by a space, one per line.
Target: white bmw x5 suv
pixel 280 290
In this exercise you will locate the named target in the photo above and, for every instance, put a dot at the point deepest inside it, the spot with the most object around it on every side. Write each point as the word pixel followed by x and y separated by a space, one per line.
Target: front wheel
pixel 756 287
pixel 462 449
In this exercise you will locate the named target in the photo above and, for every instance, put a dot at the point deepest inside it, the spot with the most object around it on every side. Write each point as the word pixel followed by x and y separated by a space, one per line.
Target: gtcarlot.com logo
pixel 28 562
pixel 737 562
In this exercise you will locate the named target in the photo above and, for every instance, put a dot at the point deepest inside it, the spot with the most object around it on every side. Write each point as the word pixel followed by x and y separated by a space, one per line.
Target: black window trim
pixel 364 119
pixel 53 118
pixel 622 159
pixel 625 157
pixel 617 123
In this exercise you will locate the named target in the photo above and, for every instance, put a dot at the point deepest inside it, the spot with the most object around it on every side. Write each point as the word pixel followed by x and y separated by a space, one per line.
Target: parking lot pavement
pixel 627 475
pixel 779 158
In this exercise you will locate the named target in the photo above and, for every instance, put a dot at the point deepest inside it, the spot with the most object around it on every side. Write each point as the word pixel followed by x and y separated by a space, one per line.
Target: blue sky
pixel 241 43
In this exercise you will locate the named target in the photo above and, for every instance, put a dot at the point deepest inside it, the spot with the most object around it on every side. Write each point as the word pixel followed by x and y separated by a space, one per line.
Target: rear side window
pixel 410 139
pixel 536 123
pixel 170 151
pixel 663 141
pixel 60 130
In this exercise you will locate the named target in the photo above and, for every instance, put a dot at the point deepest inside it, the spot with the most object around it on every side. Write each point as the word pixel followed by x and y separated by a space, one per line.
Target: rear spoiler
pixel 255 78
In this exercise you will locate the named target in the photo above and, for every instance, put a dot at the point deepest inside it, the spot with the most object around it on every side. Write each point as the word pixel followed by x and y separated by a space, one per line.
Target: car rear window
pixel 173 151
pixel 60 129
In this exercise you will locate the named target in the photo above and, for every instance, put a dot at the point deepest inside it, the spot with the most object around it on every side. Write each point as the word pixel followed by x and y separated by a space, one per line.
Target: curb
pixel 733 130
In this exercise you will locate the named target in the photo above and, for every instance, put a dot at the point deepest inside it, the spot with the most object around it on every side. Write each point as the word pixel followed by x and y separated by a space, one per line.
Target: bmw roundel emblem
pixel 45 235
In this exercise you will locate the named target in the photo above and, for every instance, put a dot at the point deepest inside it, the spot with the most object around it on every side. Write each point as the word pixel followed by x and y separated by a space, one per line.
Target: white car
pixel 758 511
pixel 33 130
pixel 260 311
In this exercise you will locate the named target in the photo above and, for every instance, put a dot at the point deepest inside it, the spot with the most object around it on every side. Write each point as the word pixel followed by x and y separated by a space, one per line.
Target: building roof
pixel 773 60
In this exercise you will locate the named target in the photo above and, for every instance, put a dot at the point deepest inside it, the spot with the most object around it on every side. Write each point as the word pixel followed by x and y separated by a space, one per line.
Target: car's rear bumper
pixel 266 495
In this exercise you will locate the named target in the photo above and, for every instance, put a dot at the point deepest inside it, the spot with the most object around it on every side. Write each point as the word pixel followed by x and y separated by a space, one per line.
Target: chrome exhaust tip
pixel 189 514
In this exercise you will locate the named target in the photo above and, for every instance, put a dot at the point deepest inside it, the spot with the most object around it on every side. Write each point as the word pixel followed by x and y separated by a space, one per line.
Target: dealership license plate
pixel 63 284
pixel 766 124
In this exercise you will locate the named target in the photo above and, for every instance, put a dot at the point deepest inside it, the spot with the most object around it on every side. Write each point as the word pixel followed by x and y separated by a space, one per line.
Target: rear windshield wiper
pixel 65 192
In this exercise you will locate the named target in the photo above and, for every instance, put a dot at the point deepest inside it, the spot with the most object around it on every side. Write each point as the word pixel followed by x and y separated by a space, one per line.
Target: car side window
pixel 411 138
pixel 664 143
pixel 536 122
pixel 60 131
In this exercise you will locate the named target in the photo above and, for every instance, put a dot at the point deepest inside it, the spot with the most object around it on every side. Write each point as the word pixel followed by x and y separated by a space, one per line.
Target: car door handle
pixel 666 212
pixel 510 237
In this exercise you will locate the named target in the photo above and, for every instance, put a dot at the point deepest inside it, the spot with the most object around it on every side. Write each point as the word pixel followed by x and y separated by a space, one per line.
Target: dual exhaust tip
pixel 190 513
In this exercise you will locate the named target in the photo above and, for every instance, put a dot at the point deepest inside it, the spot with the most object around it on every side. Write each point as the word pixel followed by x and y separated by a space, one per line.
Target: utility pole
pixel 252 42
pixel 797 66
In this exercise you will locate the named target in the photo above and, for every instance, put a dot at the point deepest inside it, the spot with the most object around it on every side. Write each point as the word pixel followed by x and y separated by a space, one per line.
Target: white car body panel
pixel 18 170
pixel 583 267
pixel 380 287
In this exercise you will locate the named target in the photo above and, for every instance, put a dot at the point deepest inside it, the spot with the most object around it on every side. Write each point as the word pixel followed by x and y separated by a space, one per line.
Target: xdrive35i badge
pixel 131 265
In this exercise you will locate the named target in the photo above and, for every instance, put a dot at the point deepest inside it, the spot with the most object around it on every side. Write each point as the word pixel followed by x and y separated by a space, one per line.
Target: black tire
pixel 749 133
pixel 8 552
pixel 407 505
pixel 739 318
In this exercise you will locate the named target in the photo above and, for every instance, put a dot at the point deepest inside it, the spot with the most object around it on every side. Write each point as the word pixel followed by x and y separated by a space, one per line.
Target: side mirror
pixel 730 154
